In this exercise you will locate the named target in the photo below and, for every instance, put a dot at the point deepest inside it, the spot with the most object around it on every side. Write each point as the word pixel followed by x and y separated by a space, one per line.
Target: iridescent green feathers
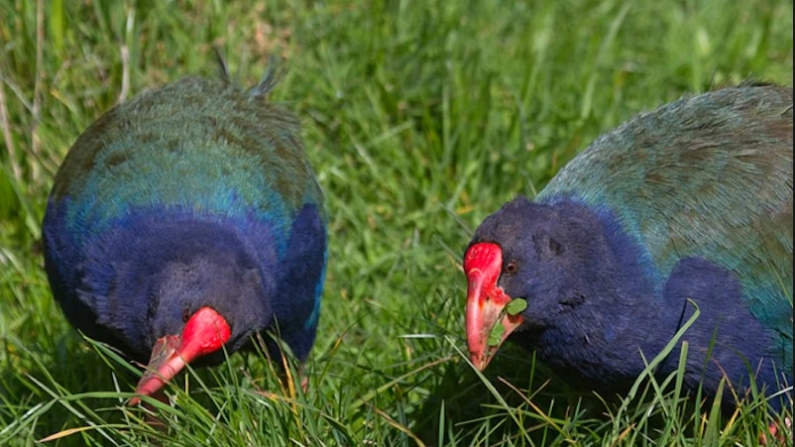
pixel 197 194
pixel 719 188
pixel 199 144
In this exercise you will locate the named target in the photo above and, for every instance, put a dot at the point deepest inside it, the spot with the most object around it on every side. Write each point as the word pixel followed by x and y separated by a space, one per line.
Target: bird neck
pixel 150 261
pixel 616 312
pixel 629 311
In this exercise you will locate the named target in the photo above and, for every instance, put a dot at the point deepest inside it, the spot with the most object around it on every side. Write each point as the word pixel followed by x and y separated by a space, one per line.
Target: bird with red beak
pixel 184 222
pixel 686 207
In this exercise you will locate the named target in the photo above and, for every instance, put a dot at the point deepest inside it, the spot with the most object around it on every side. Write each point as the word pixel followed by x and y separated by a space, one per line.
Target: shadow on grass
pixel 69 384
pixel 462 410
pixel 534 408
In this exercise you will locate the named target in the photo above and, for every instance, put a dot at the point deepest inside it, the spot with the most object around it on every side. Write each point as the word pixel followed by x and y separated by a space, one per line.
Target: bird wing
pixel 707 176
pixel 195 144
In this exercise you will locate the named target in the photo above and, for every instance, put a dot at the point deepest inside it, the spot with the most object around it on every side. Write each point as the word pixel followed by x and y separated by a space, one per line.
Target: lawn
pixel 420 118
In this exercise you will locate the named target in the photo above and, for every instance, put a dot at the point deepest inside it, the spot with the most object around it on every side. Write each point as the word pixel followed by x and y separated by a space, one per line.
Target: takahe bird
pixel 692 201
pixel 185 221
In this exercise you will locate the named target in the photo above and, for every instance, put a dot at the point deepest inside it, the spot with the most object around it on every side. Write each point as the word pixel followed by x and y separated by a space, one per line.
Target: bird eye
pixel 511 268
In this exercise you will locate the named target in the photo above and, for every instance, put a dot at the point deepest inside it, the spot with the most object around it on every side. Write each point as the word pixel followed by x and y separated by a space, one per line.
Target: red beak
pixel 204 333
pixel 486 303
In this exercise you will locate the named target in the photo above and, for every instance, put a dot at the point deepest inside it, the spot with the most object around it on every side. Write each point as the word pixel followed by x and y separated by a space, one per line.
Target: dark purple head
pixel 557 257
pixel 174 287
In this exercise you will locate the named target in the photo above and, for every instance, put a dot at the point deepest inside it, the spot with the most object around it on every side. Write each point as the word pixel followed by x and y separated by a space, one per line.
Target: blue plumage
pixel 692 201
pixel 196 195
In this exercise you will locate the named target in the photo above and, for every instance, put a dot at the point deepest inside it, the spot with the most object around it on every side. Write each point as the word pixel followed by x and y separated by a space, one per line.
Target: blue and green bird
pixel 688 206
pixel 185 221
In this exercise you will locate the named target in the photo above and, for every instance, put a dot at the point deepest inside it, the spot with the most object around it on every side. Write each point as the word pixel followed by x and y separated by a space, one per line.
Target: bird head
pixel 535 254
pixel 205 303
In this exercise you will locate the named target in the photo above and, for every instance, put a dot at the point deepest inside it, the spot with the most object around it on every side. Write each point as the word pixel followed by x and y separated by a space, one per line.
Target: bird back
pixel 709 177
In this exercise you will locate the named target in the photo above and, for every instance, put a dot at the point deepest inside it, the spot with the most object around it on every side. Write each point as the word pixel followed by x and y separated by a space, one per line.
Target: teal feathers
pixel 685 207
pixel 718 187
pixel 197 143
pixel 196 199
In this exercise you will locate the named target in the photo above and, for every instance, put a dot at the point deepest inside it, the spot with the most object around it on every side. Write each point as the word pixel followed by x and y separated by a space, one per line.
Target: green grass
pixel 421 118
